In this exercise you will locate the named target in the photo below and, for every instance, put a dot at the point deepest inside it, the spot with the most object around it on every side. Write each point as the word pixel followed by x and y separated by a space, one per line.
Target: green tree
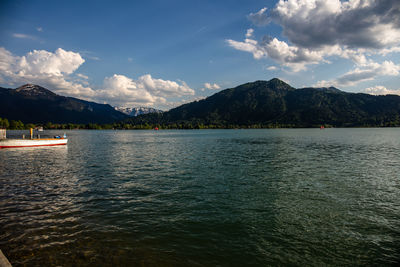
pixel 16 125
pixel 48 125
pixel 30 125
pixel 4 123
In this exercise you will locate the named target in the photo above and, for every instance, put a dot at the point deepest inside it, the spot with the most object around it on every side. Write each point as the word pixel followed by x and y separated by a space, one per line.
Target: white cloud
pixel 43 62
pixel 248 45
pixel 381 90
pixel 124 91
pixel 293 57
pixel 57 72
pixel 39 29
pixel 80 75
pixel 353 23
pixel 165 88
pixel 23 36
pixel 260 18
pixel 365 72
pixel 249 33
pixel 386 51
pixel 318 30
pixel 210 86
pixel 120 88
pixel 45 68
pixel 272 68
pixel 7 60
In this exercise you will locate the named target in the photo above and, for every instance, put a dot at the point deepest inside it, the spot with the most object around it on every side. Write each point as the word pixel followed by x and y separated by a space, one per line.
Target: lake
pixel 204 198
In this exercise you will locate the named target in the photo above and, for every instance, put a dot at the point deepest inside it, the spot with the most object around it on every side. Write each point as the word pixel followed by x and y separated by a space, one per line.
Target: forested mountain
pixel 271 103
pixel 274 103
pixel 35 104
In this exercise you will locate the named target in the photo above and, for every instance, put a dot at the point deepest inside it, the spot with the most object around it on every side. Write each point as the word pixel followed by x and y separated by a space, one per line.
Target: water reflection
pixel 223 197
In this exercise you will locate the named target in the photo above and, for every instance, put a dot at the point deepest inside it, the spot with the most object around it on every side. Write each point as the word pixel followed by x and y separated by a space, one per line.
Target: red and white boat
pixel 12 143
pixel 33 142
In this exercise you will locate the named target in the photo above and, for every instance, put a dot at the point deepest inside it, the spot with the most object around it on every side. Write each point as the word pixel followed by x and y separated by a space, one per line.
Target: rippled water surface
pixel 204 198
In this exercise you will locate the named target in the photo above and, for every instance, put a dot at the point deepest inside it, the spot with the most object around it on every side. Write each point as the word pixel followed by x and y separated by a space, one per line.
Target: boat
pixel 31 142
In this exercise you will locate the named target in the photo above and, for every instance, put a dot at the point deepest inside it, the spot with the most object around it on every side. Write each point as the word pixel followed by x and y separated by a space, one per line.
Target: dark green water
pixel 204 198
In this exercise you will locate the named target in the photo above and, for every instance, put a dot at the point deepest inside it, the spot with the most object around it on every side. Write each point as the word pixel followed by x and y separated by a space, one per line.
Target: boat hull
pixel 15 143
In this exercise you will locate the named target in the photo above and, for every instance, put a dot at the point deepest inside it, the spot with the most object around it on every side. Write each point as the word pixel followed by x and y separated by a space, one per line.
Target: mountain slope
pixel 275 103
pixel 35 104
pixel 246 104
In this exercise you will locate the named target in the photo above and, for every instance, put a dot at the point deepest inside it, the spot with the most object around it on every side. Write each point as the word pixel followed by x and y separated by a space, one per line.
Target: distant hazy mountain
pixel 35 104
pixel 133 112
pixel 275 103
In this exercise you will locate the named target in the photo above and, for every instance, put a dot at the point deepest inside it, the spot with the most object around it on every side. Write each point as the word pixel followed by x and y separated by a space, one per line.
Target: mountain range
pixel 275 103
pixel 35 104
pixel 133 112
pixel 272 103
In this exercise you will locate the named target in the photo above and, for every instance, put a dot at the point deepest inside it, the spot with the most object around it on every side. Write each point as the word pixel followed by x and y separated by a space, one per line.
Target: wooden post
pixel 31 130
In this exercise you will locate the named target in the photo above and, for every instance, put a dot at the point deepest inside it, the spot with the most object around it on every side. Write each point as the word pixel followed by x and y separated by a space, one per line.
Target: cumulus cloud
pixel 353 23
pixel 293 57
pixel 57 71
pixel 48 69
pixel 210 86
pixel 381 90
pixel 43 62
pixel 317 30
pixel 366 72
pixel 146 90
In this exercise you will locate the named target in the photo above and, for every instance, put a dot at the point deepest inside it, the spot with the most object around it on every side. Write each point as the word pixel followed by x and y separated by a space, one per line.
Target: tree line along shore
pixel 123 125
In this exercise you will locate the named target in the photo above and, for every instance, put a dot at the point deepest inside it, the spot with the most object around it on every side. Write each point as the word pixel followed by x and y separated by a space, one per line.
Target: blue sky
pixel 165 53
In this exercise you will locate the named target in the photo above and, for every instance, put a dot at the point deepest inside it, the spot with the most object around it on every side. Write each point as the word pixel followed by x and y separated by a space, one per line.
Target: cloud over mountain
pixel 293 57
pixel 363 72
pixel 213 86
pixel 318 29
pixel 381 90
pixel 49 69
pixel 144 91
pixel 57 70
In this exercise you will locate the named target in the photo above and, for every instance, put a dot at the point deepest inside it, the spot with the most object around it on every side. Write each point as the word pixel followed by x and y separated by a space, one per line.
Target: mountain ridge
pixel 275 103
pixel 34 90
pixel 136 111
pixel 272 103
pixel 35 104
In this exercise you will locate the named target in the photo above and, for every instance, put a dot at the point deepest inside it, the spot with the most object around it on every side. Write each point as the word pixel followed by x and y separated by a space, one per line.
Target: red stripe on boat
pixel 33 145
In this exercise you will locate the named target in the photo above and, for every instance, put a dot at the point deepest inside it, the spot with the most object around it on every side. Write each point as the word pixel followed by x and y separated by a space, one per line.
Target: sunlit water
pixel 204 198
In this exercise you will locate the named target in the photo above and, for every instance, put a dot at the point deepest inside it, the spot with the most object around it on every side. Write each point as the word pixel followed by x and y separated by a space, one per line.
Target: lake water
pixel 204 198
